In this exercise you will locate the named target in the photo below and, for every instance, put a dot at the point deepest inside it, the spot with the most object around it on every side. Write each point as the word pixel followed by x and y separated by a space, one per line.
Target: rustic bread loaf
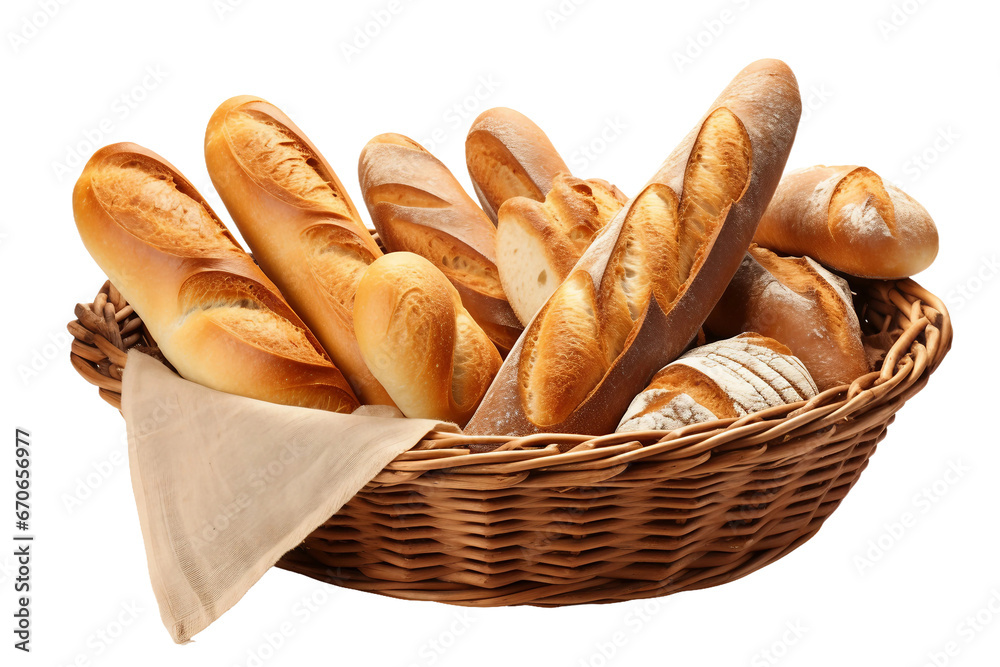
pixel 848 219
pixel 417 205
pixel 299 222
pixel 420 341
pixel 722 380
pixel 509 156
pixel 643 288
pixel 213 313
pixel 801 304
pixel 538 243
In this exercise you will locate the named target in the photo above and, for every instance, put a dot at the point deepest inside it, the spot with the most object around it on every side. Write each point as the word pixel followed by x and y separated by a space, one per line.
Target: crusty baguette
pixel 722 380
pixel 417 205
pixel 215 316
pixel 801 304
pixel 848 219
pixel 420 341
pixel 299 222
pixel 509 156
pixel 641 291
pixel 538 243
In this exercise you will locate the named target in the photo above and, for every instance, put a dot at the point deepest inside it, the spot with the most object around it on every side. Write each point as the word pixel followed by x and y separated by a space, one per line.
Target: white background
pixel 885 83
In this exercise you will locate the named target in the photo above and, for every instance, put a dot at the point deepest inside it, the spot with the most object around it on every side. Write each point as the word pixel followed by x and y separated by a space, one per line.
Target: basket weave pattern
pixel 555 519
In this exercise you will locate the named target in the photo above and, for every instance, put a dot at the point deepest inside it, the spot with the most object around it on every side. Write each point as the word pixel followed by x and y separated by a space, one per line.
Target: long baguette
pixel 418 206
pixel 641 291
pixel 214 314
pixel 299 222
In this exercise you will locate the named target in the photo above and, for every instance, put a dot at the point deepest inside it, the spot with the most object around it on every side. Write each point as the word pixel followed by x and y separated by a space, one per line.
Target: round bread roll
pixel 848 219
pixel 419 341
pixel 538 243
pixel 796 301
pixel 723 380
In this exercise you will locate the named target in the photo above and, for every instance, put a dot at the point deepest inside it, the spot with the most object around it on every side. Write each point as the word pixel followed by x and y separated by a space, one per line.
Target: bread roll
pixel 722 380
pixel 215 316
pixel 509 156
pixel 538 243
pixel 299 222
pixel 419 340
pixel 849 220
pixel 643 288
pixel 801 304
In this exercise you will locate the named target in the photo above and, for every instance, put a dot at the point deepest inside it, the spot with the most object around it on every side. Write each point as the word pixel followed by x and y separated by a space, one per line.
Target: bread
pixel 417 205
pixel 643 288
pixel 509 156
pixel 299 222
pixel 801 304
pixel 419 340
pixel 722 380
pixel 538 243
pixel 215 316
pixel 848 219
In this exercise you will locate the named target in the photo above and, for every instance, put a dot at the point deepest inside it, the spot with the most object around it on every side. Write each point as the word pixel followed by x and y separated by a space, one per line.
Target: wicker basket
pixel 565 519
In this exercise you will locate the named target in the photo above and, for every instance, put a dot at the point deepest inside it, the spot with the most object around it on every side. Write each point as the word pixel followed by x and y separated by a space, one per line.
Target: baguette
pixel 213 313
pixel 538 243
pixel 722 380
pixel 417 205
pixel 643 288
pixel 509 156
pixel 801 304
pixel 848 219
pixel 419 340
pixel 299 222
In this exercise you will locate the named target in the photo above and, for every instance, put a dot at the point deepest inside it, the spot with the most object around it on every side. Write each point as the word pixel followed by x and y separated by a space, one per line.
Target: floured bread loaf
pixel 722 380
pixel 420 341
pixel 850 220
pixel 538 243
pixel 801 304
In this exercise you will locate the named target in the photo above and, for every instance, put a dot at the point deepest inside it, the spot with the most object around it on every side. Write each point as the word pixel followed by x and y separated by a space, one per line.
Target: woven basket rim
pixel 107 328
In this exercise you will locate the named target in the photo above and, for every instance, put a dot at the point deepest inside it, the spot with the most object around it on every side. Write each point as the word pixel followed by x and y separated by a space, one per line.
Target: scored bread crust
pixel 417 205
pixel 509 156
pixel 299 222
pixel 215 316
pixel 420 341
pixel 538 243
pixel 649 280
pixel 722 380
pixel 798 302
pixel 849 219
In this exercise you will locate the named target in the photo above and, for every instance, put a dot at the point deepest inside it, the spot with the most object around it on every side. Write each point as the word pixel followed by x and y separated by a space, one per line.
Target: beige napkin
pixel 225 485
